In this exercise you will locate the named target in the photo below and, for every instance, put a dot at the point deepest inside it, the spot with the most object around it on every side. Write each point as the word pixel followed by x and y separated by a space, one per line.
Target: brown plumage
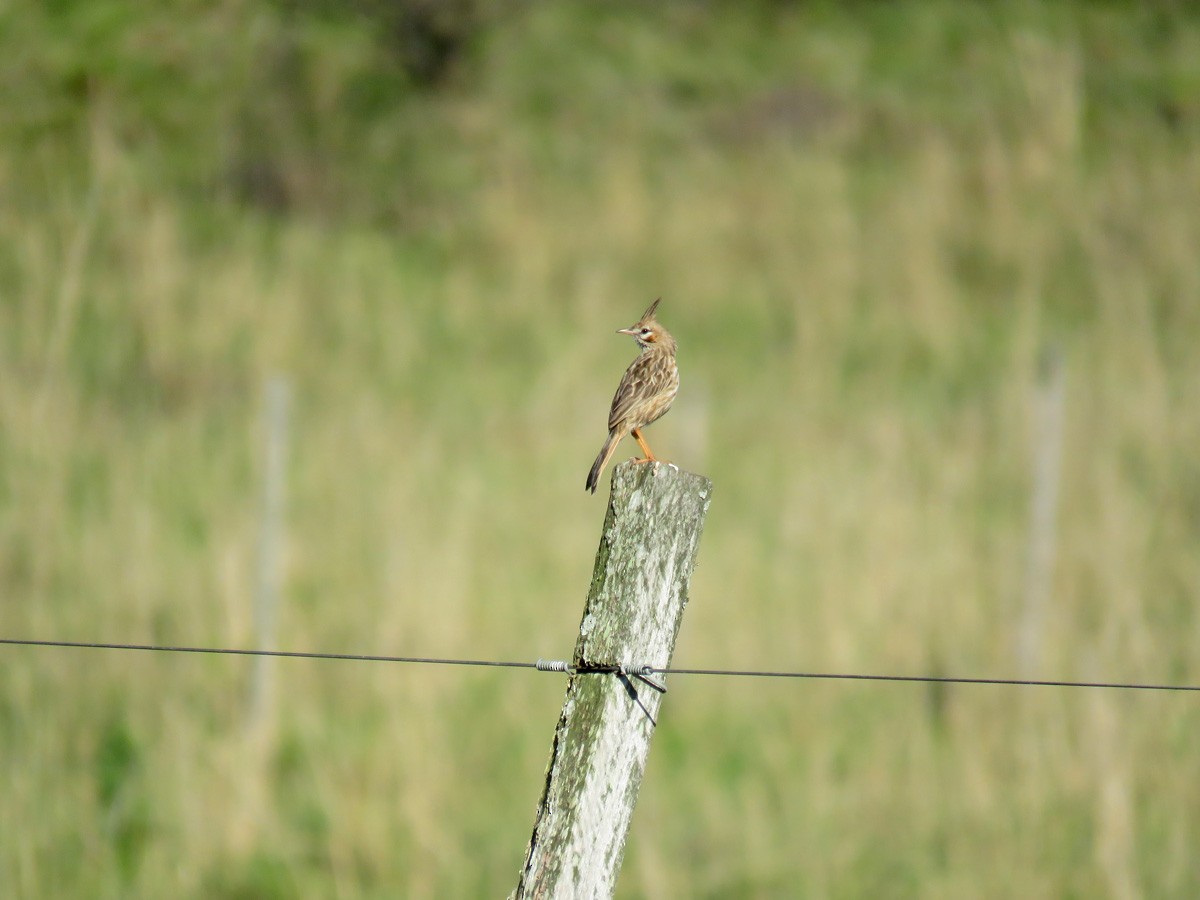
pixel 646 392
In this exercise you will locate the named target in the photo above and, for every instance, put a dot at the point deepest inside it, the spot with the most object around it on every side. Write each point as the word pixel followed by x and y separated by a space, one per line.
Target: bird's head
pixel 647 332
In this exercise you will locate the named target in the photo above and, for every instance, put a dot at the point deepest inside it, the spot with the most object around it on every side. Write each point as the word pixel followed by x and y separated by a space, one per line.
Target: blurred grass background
pixel 867 223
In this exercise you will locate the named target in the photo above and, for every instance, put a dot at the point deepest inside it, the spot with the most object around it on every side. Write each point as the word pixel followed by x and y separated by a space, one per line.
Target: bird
pixel 646 392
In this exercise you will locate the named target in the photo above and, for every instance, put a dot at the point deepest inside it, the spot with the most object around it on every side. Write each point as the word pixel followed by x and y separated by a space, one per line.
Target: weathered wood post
pixel 634 607
pixel 276 398
pixel 1049 416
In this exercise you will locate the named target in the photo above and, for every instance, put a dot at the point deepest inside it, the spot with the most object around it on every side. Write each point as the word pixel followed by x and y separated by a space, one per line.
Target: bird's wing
pixel 642 380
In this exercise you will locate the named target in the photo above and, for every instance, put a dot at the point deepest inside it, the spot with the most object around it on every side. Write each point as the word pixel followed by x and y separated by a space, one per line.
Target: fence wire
pixel 567 667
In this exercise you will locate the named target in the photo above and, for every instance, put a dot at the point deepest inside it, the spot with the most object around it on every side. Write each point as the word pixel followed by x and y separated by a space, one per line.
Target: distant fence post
pixel 1049 415
pixel 634 608
pixel 270 545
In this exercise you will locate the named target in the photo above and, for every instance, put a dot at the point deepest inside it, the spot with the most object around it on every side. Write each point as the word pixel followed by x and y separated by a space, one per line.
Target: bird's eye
pixel 645 331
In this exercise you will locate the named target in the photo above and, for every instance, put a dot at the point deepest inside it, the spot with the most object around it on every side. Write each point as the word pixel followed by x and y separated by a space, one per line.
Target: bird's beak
pixel 630 331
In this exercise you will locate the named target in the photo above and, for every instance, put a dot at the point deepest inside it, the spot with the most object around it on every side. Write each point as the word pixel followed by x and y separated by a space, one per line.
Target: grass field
pixel 867 225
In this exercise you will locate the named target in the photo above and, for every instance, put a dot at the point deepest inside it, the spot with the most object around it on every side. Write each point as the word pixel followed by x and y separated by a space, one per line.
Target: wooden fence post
pixel 634 607
pixel 276 398
pixel 1049 417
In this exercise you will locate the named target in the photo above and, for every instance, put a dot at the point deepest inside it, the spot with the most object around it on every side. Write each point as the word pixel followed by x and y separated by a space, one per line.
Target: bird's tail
pixel 606 452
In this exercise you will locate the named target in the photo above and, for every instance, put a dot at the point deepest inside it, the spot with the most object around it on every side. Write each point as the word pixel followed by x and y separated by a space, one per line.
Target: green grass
pixel 865 223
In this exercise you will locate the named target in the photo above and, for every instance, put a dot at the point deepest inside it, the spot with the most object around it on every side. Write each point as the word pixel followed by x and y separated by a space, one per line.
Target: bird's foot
pixel 638 460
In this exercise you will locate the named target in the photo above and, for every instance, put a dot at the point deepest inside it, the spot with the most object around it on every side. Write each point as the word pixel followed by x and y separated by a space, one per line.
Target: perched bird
pixel 646 392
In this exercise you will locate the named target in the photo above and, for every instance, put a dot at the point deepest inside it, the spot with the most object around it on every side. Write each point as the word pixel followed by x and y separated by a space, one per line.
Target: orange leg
pixel 637 436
